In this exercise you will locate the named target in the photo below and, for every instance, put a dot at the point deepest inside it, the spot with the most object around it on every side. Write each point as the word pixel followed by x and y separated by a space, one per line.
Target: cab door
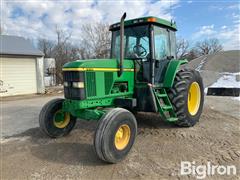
pixel 162 52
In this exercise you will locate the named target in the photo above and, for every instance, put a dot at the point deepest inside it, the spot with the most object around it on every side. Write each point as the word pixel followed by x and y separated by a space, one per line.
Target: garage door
pixel 18 76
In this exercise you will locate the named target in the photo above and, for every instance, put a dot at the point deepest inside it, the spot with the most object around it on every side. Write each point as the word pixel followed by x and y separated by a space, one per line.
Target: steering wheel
pixel 140 51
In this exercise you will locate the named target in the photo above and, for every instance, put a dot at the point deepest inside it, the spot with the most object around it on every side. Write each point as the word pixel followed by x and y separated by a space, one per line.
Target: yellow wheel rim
pixel 194 98
pixel 122 136
pixel 61 119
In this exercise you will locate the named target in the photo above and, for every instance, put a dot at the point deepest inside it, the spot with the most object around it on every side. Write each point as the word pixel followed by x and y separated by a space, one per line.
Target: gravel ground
pixel 20 113
pixel 26 153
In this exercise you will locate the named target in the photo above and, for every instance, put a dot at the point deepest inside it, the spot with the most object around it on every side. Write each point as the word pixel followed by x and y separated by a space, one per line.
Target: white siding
pixel 17 76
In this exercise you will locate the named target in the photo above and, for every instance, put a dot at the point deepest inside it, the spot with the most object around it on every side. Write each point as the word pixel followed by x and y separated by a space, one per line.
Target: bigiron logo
pixel 201 171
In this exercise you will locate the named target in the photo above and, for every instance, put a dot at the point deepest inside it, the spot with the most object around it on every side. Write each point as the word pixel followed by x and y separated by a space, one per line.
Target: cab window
pixel 161 43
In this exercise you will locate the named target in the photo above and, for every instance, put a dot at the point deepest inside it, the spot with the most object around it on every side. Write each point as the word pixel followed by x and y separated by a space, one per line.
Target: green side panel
pixel 98 63
pixel 101 84
pixel 171 71
pixel 108 80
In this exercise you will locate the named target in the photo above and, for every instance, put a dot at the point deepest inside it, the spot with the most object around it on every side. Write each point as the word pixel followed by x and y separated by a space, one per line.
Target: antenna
pixel 171 8
pixel 171 13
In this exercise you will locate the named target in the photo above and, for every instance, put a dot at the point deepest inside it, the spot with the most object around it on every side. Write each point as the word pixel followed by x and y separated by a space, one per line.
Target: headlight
pixel 66 84
pixel 78 84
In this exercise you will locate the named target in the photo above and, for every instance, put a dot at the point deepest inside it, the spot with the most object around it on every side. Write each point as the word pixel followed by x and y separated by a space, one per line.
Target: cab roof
pixel 145 20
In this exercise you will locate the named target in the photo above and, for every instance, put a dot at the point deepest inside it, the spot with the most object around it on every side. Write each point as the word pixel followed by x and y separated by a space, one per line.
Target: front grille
pixel 91 84
pixel 70 92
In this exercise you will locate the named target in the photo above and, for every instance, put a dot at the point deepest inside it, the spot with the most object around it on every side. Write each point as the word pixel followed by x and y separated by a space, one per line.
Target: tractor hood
pixel 98 63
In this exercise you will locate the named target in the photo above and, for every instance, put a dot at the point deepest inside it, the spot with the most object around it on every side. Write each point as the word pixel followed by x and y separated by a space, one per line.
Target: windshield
pixel 136 42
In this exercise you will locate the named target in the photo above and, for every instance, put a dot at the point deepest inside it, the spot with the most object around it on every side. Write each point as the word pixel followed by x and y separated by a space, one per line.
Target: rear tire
pixel 48 123
pixel 187 96
pixel 115 135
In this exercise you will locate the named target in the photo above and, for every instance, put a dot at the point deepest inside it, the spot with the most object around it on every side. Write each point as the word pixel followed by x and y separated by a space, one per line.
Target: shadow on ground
pixel 77 147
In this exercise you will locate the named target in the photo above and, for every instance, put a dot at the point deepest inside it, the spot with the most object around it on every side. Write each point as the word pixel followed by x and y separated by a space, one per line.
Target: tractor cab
pixel 150 42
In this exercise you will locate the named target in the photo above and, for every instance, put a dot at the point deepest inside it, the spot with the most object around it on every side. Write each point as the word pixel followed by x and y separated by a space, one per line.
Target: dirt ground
pixel 157 153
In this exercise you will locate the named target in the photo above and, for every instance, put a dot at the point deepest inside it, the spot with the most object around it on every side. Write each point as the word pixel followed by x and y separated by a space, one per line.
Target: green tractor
pixel 142 75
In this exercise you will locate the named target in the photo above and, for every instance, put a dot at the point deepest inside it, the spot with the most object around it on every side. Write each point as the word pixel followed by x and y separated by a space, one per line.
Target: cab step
pixel 172 119
pixel 165 107
pixel 161 95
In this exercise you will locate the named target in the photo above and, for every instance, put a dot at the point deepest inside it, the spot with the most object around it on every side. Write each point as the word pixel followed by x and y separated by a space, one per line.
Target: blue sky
pixel 205 19
pixel 196 20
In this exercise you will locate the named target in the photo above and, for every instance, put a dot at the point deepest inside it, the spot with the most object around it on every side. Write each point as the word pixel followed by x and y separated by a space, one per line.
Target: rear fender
pixel 171 72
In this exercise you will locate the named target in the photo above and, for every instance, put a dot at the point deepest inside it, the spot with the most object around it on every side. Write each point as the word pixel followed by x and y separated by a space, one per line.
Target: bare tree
pixel 62 36
pixel 60 52
pixel 96 41
pixel 192 54
pixel 216 46
pixel 208 46
pixel 46 46
pixel 182 48
pixel 63 52
pixel 94 44
pixel 82 52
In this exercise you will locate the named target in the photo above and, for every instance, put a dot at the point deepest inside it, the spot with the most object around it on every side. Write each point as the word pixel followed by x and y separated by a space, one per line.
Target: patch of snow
pixel 228 80
pixel 236 98
pixel 229 73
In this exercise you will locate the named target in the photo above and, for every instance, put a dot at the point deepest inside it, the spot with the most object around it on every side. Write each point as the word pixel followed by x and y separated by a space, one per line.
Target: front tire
pixel 53 122
pixel 187 97
pixel 115 135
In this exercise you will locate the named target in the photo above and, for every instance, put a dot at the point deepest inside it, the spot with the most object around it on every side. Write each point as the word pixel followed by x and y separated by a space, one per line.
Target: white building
pixel 21 67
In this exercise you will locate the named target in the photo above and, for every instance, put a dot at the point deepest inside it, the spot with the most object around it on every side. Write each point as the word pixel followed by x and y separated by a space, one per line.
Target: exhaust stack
pixel 121 44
